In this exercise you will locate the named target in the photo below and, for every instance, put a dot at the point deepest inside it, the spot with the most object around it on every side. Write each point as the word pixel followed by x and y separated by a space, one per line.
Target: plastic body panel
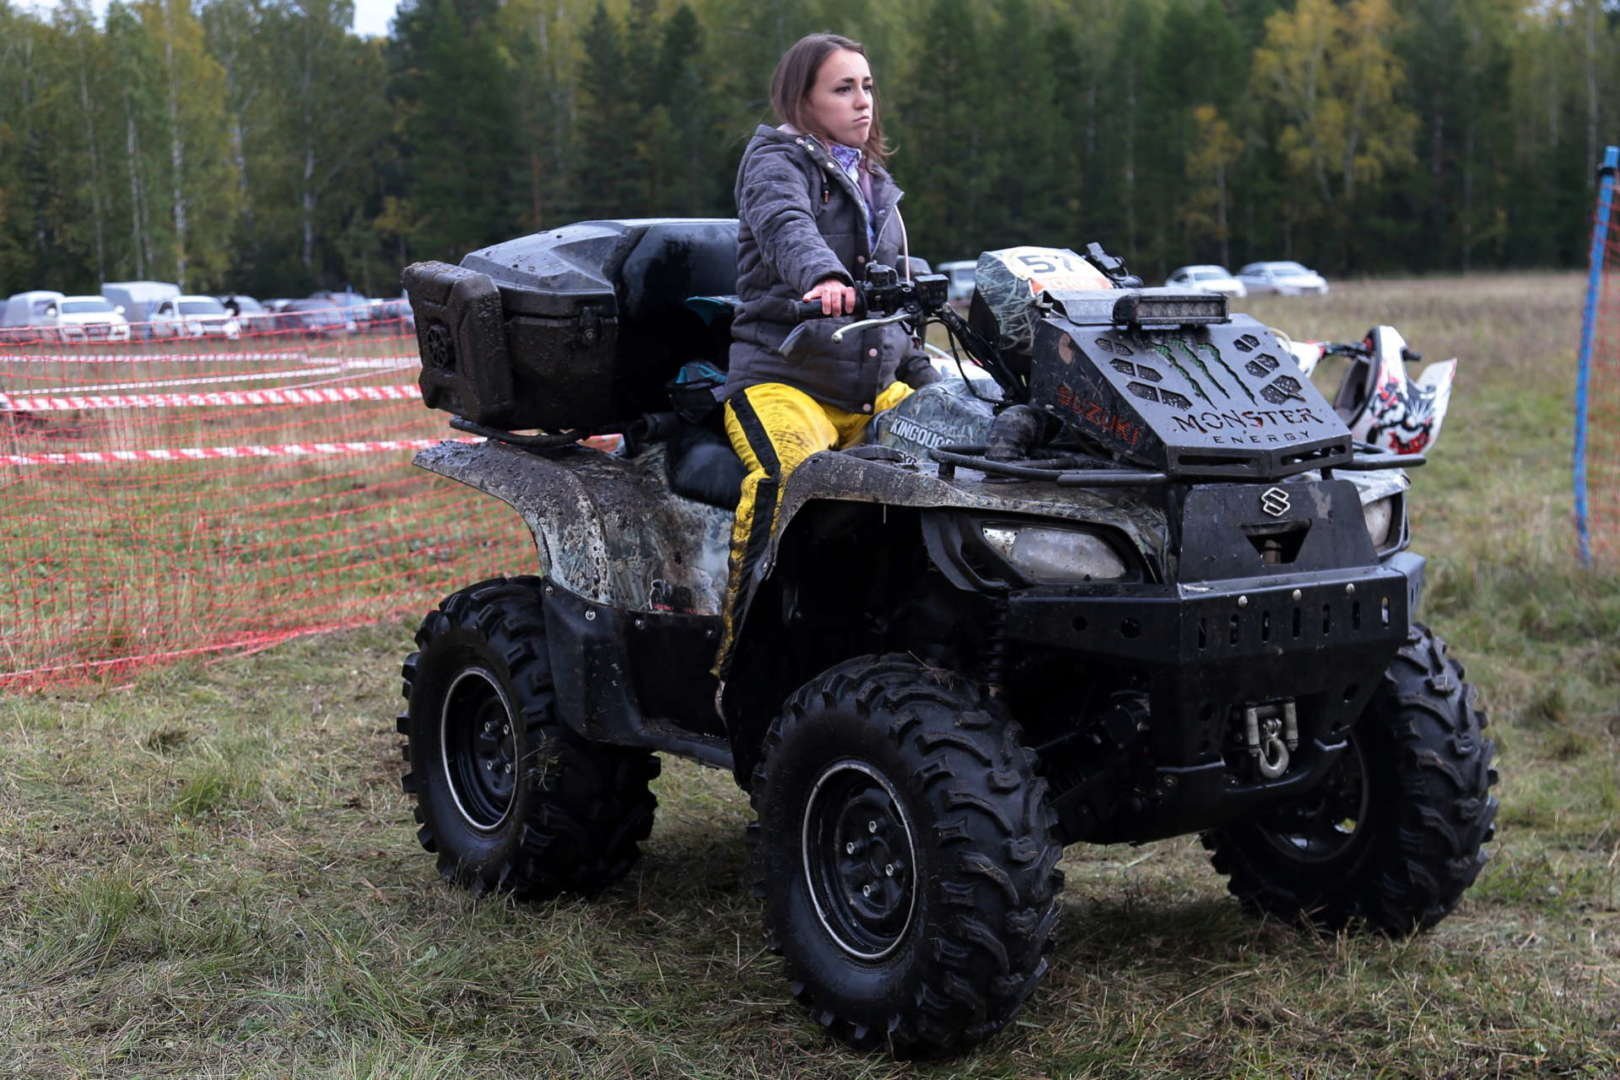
pixel 1223 400
pixel 577 328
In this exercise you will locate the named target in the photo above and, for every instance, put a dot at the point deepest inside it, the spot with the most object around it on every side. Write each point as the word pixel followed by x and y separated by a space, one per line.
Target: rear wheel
pixel 906 855
pixel 506 794
pixel 1395 833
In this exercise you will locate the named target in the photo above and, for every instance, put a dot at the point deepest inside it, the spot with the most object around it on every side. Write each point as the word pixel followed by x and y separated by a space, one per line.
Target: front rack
pixel 1080 470
pixel 1067 470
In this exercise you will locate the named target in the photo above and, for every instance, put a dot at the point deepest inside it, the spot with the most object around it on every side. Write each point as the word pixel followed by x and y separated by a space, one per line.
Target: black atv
pixel 1127 577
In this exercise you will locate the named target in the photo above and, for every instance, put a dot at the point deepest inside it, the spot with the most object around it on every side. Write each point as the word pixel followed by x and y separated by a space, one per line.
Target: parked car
pixel 1283 278
pixel 391 317
pixel 90 318
pixel 315 317
pixel 1207 278
pixel 138 299
pixel 353 303
pixel 193 317
pixel 31 316
pixel 960 273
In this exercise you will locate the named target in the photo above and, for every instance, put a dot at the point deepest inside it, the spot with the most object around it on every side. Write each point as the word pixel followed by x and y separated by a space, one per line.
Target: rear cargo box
pixel 578 328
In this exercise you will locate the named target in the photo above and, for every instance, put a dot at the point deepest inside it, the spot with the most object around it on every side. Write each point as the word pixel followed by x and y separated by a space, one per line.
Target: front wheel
pixel 906 855
pixel 1396 832
pixel 507 795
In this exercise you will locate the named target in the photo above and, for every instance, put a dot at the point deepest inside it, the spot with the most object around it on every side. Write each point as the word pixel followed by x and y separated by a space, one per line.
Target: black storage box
pixel 577 328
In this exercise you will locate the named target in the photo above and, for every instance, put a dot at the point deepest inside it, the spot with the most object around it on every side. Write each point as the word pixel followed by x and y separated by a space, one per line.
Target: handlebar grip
pixel 807 309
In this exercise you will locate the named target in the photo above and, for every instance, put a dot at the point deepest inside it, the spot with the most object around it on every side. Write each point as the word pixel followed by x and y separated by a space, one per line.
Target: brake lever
pixel 899 316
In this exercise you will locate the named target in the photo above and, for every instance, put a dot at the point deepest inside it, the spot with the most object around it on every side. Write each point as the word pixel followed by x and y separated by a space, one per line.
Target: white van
pixel 138 298
pixel 31 315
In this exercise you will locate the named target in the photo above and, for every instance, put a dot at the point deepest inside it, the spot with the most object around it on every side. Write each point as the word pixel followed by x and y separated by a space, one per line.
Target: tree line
pixel 260 146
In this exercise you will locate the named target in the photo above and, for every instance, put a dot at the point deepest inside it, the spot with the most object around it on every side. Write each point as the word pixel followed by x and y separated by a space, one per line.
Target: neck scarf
pixel 849 160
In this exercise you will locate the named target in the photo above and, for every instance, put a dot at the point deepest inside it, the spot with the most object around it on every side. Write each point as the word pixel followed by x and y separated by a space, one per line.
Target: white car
pixel 961 275
pixel 1283 278
pixel 1215 279
pixel 193 317
pixel 90 318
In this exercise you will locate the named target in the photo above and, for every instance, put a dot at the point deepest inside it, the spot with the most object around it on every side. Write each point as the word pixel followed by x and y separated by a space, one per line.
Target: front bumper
pixel 88 332
pixel 1320 639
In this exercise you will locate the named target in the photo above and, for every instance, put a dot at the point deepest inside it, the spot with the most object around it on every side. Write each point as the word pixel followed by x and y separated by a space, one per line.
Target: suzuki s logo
pixel 1274 501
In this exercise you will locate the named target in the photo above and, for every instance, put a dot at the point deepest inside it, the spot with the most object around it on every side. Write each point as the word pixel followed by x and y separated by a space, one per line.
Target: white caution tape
pixel 212 453
pixel 378 363
pixel 207 380
pixel 150 357
pixel 318 396
pixel 191 358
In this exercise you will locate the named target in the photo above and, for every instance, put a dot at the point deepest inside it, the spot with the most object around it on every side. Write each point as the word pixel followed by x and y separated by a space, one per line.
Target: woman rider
pixel 815 207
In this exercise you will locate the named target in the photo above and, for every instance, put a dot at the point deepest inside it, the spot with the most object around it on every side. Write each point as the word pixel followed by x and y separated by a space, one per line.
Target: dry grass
pixel 211 872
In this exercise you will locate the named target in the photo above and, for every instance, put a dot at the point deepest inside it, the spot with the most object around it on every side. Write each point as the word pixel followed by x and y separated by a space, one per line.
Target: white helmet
pixel 1385 408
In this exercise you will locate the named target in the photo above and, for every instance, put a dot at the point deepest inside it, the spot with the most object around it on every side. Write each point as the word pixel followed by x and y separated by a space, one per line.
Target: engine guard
pixel 1319 640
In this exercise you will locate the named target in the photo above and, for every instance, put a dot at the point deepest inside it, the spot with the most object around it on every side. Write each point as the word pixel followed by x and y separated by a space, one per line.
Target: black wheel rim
pixel 859 860
pixel 478 748
pixel 1328 821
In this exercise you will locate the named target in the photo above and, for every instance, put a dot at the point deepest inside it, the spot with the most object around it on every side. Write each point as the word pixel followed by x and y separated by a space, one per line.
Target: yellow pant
pixel 774 427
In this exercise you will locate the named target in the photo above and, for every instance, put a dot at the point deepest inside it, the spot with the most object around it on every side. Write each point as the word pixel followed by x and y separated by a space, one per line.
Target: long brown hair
pixel 796 75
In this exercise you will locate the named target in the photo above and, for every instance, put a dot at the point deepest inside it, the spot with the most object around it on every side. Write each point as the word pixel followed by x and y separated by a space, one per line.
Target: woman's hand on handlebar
pixel 835 297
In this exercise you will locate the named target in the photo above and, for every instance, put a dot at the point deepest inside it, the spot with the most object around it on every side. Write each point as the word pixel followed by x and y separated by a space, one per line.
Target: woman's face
pixel 841 102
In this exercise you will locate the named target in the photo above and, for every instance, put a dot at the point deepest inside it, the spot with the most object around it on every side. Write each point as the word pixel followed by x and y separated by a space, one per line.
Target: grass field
pixel 112 563
pixel 211 871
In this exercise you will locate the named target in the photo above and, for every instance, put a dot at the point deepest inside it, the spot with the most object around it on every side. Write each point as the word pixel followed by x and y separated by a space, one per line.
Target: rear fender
pixel 606 528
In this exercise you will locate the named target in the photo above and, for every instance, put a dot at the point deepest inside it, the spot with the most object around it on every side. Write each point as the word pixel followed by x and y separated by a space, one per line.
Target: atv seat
pixel 673 262
pixel 703 467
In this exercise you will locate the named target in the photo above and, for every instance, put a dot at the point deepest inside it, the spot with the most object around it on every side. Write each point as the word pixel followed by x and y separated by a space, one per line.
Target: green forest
pixel 260 146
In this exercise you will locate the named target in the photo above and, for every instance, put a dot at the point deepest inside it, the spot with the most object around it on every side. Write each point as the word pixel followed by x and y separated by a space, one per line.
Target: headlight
pixel 1380 518
pixel 1048 556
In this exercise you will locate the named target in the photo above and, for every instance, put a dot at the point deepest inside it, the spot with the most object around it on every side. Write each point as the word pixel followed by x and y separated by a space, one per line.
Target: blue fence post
pixel 1583 376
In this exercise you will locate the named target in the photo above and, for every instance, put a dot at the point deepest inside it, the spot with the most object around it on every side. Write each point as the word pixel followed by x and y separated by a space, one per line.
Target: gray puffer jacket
pixel 802 220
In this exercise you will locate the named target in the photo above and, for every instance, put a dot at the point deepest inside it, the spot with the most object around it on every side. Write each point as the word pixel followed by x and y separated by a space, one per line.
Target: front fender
pixel 848 477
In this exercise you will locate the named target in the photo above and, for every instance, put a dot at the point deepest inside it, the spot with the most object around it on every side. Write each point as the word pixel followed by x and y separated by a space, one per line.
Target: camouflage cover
pixel 946 413
pixel 1008 286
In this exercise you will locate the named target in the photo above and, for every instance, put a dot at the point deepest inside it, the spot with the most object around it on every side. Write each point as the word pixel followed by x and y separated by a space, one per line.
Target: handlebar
pixel 804 310
pixel 1361 348
pixel 885 298
pixel 883 294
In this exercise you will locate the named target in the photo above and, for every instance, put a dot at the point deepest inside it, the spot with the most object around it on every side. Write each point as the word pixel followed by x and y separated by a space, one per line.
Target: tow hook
pixel 1271 733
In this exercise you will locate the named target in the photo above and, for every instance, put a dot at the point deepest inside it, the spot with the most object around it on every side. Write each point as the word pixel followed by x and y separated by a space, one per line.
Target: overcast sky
pixel 370 16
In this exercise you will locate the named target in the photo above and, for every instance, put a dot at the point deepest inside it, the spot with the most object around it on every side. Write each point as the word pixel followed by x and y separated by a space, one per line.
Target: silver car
pixel 193 317
pixel 91 318
pixel 961 275
pixel 1283 278
pixel 1207 278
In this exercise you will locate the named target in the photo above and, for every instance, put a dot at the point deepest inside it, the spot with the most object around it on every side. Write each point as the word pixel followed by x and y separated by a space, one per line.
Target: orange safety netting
pixel 1602 451
pixel 172 497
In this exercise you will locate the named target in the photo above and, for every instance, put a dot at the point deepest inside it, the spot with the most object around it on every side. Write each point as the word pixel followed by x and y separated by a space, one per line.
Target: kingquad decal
pixel 912 431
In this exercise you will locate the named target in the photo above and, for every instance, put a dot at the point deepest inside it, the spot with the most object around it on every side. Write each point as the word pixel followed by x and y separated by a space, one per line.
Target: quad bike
pixel 1133 579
